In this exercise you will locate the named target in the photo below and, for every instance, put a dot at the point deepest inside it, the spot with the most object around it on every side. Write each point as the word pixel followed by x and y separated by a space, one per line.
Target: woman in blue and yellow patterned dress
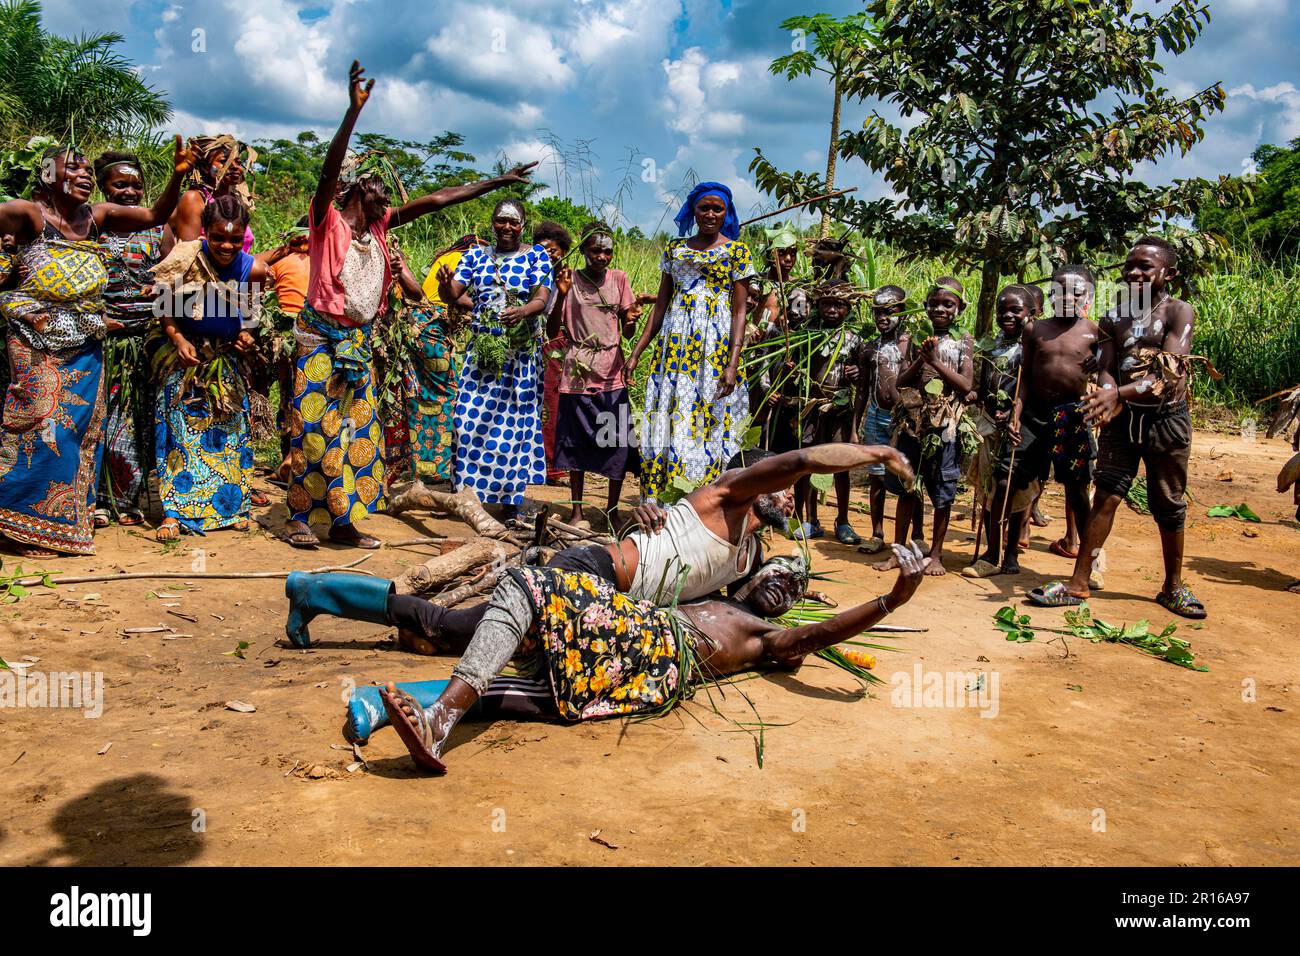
pixel 696 402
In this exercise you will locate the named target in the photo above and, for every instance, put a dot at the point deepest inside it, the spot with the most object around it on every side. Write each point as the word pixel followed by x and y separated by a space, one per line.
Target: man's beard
pixel 770 513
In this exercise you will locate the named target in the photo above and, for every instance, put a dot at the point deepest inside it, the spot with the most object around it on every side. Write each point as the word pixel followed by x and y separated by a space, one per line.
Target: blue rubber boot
pixel 366 712
pixel 356 597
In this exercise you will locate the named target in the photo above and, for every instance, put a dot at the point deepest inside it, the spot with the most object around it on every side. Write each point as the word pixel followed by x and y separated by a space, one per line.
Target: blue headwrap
pixel 686 218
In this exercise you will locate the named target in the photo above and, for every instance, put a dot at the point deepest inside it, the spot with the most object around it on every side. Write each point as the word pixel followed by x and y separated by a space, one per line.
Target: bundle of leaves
pixel 1080 623
pixel 1241 512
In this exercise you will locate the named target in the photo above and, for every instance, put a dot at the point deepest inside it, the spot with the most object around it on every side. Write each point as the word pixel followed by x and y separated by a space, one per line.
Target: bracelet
pixel 883 606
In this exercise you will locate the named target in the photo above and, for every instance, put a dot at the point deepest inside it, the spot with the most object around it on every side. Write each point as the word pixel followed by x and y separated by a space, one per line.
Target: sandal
pixel 258 499
pixel 845 534
pixel 102 517
pixel 875 544
pixel 302 538
pixel 413 728
pixel 980 569
pixel 1183 602
pixel 1053 595
pixel 169 530
pixel 356 539
pixel 131 518
pixel 1059 549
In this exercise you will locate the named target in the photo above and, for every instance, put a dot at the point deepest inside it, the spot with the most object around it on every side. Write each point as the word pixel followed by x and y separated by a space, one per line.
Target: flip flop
pixel 981 569
pixel 131 518
pixel 1059 549
pixel 169 530
pixel 360 541
pixel 413 728
pixel 258 499
pixel 1183 602
pixel 1053 594
pixel 302 539
pixel 102 518
pixel 874 545
pixel 845 534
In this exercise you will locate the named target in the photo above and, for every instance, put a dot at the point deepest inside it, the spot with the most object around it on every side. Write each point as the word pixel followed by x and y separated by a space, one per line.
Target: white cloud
pixel 493 47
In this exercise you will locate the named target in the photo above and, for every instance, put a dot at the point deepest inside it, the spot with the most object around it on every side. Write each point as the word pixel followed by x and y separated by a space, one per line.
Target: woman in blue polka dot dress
pixel 696 398
pixel 499 450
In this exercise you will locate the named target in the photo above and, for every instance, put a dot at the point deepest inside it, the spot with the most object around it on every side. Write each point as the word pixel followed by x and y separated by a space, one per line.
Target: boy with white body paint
pixel 1142 407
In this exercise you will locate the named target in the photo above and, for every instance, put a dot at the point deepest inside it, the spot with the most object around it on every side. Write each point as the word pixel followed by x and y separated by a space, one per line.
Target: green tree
pixel 1271 223
pixel 69 88
pixel 835 43
pixel 1025 121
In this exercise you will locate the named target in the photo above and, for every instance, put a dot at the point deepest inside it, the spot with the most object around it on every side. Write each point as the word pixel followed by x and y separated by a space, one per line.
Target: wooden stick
pixel 472 589
pixel 796 205
pixel 409 542
pixel 212 575
pixel 579 532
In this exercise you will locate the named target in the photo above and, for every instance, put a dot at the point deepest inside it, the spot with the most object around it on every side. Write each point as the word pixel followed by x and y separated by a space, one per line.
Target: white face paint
pixel 229 226
pixel 511 212
pixel 127 169
pixel 601 243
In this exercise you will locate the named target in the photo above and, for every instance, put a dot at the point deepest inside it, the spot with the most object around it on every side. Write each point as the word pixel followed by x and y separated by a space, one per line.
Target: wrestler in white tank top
pixel 687 552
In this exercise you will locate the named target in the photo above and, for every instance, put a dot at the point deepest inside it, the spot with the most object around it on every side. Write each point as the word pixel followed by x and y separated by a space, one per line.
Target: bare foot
pixel 935 568
pixel 1011 566
pixel 348 534
pixel 1294 587
pixel 887 565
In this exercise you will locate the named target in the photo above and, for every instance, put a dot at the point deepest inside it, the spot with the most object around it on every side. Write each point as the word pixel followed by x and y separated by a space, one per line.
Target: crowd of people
pixel 541 392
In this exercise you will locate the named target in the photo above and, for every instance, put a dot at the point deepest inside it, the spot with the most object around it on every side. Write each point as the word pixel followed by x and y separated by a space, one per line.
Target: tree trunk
pixel 989 277
pixel 464 505
pixel 831 156
pixel 438 571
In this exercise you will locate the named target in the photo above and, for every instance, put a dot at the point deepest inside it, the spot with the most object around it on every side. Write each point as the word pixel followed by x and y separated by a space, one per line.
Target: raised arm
pixel 358 92
pixel 450 195
pixel 779 472
pixel 21 218
pixel 117 218
pixel 791 645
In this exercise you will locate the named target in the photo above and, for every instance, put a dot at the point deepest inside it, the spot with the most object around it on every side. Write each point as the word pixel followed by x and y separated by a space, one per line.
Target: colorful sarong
pixel 433 400
pixel 336 444
pixel 551 403
pixel 205 456
pixel 50 445
pixel 606 655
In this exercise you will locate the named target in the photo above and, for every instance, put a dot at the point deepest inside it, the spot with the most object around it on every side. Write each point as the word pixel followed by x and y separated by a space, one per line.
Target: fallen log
pixel 436 572
pixel 464 505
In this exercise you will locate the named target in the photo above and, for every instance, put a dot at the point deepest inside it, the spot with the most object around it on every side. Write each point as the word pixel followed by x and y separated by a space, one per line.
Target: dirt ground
pixel 1097 754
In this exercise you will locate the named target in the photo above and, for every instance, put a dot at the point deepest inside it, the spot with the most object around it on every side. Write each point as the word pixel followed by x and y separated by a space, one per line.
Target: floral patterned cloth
pixel 686 431
pixel 605 654
pixel 433 399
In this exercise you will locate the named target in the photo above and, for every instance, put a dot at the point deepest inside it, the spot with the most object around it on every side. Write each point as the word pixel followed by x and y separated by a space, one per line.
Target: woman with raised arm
pixel 335 448
pixel 55 317
pixel 696 399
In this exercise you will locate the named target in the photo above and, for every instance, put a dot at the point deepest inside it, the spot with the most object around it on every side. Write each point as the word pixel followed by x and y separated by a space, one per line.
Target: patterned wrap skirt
pixel 604 654
pixel 204 454
pixel 499 448
pixel 336 441
pixel 433 402
pixel 50 445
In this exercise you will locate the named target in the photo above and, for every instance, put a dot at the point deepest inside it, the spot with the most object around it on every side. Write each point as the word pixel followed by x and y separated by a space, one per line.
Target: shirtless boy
pixel 996 393
pixel 947 357
pixel 1142 408
pixel 882 359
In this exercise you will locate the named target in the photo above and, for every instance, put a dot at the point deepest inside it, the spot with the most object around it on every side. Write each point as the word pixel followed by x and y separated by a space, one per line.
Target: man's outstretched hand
pixel 897 463
pixel 912 562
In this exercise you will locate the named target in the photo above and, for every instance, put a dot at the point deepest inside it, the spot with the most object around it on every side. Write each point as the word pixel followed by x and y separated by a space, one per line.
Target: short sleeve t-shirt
pixel 289 279
pixel 593 358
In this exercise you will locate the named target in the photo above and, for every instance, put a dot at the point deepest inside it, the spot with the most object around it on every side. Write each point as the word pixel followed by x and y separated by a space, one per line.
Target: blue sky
pixel 680 84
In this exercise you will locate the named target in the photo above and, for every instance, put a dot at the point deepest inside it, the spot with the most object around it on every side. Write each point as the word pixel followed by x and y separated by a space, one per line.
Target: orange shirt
pixel 289 280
